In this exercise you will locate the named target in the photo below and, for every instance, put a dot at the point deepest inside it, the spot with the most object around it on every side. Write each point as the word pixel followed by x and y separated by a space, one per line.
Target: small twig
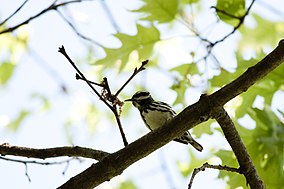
pixel 48 69
pixel 37 162
pixel 112 106
pixel 226 13
pixel 210 44
pixel 120 128
pixel 110 16
pixel 26 172
pixel 78 77
pixel 207 165
pixel 53 6
pixel 109 96
pixel 135 72
pixel 241 21
pixel 76 30
pixel 62 51
pixel 26 162
pixel 66 168
pixel 112 98
pixel 15 12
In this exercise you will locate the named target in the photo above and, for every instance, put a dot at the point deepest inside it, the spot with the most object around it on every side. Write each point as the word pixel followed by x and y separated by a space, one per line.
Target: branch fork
pixel 109 99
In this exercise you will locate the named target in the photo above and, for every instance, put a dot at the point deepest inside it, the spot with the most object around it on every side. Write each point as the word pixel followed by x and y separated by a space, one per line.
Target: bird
pixel 156 113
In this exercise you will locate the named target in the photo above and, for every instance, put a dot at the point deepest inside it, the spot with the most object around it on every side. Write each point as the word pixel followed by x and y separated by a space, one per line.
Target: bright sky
pixel 45 129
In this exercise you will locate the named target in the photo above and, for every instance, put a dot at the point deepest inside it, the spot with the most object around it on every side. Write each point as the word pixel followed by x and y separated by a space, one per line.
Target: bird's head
pixel 141 99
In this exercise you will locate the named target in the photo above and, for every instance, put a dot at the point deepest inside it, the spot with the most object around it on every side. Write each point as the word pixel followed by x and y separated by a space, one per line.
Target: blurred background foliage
pixel 178 29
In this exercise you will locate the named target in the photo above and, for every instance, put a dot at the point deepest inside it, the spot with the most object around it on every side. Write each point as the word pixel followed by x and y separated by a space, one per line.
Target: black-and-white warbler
pixel 155 114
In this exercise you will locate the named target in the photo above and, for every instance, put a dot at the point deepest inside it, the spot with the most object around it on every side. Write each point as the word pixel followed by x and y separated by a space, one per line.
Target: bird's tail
pixel 186 138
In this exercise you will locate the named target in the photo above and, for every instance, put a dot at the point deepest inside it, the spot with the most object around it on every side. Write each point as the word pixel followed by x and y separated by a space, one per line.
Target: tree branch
pixel 207 165
pixel 53 6
pixel 241 21
pixel 135 72
pixel 110 100
pixel 210 45
pixel 115 163
pixel 71 151
pixel 15 12
pixel 79 34
pixel 239 149
pixel 251 76
pixel 105 98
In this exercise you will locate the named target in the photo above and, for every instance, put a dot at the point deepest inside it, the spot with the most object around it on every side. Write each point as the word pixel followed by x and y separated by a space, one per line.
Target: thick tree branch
pixel 239 149
pixel 114 164
pixel 71 151
pixel 251 76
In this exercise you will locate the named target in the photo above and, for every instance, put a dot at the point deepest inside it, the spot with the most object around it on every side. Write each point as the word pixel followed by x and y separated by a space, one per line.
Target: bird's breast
pixel 155 119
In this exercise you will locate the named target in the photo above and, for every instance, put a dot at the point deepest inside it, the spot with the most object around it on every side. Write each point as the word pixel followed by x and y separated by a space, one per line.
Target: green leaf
pixel 182 82
pixel 265 146
pixel 6 71
pixel 187 168
pixel 185 69
pixel 265 33
pixel 265 88
pixel 190 1
pixel 234 180
pixel 92 118
pixel 180 88
pixel 143 43
pixel 230 10
pixel 159 10
pixel 128 184
pixel 14 125
pixel 203 128
pixel 44 100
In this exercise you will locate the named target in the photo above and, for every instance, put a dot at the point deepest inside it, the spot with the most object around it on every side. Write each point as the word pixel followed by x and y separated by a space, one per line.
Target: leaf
pixel 14 125
pixel 159 10
pixel 44 101
pixel 233 180
pixel 92 118
pixel 182 82
pixel 190 1
pixel 232 9
pixel 128 184
pixel 265 146
pixel 185 69
pixel 265 33
pixel 180 88
pixel 265 88
pixel 143 42
pixel 203 128
pixel 6 71
pixel 187 168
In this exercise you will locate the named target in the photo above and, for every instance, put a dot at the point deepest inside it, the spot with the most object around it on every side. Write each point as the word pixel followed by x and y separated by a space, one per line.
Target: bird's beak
pixel 128 100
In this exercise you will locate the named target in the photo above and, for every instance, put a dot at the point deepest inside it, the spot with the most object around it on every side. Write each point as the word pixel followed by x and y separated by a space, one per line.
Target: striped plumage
pixel 155 114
